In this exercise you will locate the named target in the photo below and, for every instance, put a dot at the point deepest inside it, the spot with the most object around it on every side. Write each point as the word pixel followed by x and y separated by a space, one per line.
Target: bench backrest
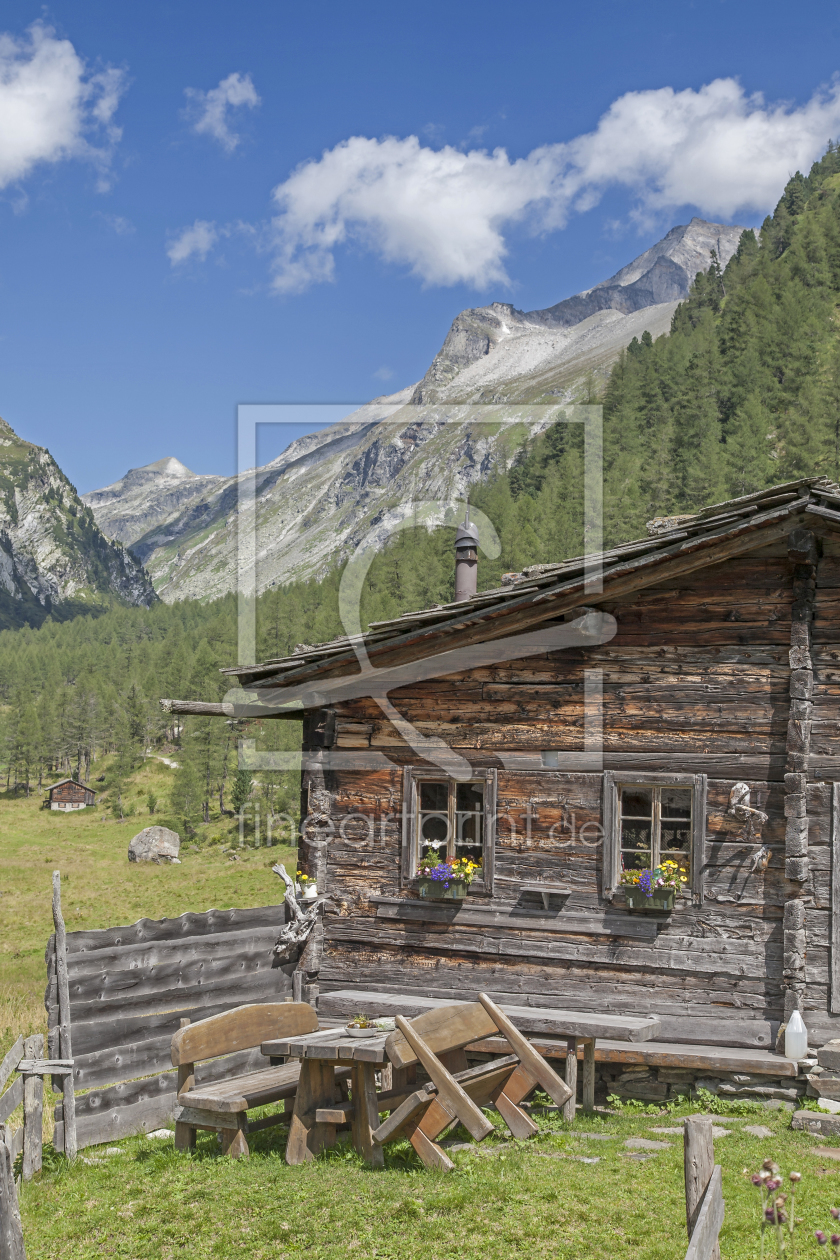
pixel 243 1028
pixel 444 1028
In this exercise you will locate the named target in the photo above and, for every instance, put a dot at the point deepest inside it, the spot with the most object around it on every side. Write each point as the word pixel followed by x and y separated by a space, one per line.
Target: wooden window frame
pixel 614 780
pixel 414 775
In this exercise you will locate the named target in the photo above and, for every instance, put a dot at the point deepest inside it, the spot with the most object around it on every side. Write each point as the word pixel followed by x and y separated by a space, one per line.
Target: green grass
pixel 505 1200
pixel 101 888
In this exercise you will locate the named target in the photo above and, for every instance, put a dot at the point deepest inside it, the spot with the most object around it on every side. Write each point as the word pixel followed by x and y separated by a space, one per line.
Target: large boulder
pixel 155 844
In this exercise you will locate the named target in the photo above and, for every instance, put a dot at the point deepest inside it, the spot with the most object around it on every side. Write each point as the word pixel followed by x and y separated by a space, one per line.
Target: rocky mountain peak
pixel 54 559
pixel 513 343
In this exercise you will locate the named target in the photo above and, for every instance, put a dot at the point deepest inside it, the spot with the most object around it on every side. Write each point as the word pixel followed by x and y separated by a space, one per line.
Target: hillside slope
pixel 54 559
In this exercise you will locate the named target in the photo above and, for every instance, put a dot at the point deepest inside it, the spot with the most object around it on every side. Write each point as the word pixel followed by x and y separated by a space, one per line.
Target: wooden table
pixel 317 1110
pixel 579 1028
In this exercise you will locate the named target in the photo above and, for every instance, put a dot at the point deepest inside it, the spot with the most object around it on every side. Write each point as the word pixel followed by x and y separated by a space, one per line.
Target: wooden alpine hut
pixel 674 700
pixel 70 794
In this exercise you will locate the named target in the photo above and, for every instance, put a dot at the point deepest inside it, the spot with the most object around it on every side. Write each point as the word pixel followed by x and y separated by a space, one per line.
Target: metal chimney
pixel 466 559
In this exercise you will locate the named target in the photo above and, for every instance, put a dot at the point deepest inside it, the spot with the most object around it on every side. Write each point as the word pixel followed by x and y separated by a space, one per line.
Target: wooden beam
pixel 699 1161
pixel 65 1048
pixel 10 1062
pixel 834 959
pixel 33 1111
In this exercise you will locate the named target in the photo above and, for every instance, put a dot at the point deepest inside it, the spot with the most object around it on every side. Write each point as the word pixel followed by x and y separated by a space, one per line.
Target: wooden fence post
pixel 11 1234
pixel 571 1077
pixel 699 1158
pixel 33 1109
pixel 66 1051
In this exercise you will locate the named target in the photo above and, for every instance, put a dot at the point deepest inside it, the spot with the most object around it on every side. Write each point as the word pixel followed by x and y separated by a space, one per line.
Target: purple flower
pixel 820 1237
pixel 835 1212
pixel 835 1240
pixel 644 883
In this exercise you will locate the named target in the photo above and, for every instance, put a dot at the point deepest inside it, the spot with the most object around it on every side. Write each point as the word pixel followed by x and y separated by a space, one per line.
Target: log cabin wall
pixel 697 680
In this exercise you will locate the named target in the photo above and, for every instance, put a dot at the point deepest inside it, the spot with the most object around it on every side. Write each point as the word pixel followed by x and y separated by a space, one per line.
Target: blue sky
pixel 184 226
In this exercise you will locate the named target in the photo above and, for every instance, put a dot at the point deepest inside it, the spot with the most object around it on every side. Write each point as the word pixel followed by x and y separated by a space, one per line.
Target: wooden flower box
pixel 434 889
pixel 660 899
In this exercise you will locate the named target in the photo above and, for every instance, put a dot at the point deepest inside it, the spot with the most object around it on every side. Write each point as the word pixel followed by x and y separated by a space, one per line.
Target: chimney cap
pixel 466 535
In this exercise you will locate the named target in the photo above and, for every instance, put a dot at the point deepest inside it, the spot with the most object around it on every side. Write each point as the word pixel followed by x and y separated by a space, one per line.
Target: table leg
pixel 589 1074
pixel 316 1088
pixel 571 1077
pixel 365 1115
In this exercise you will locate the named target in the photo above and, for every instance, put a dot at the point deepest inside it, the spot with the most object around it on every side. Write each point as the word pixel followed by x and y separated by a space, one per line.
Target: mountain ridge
pixel 331 489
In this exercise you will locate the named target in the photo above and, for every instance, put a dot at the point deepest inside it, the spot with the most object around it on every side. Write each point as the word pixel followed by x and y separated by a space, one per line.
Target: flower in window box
pixel 447 880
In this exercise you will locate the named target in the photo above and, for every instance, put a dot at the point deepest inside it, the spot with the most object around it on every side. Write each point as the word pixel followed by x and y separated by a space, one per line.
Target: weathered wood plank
pixel 264 986
pixel 526 1019
pixel 703 1058
pixel 64 1018
pixel 835 900
pixel 11 1100
pixel 206 923
pixel 10 1062
pixel 33 1110
pixel 746 962
pixel 146 955
pixel 11 1234
pixel 241 1029
pixel 514 917
pixel 704 1244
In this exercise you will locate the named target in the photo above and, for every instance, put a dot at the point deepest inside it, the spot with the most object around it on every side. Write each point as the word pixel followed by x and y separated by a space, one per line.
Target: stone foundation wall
pixel 662 1084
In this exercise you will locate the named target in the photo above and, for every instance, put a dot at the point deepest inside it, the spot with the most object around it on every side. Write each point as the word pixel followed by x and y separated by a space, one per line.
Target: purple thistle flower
pixel 835 1240
pixel 821 1238
pixel 835 1212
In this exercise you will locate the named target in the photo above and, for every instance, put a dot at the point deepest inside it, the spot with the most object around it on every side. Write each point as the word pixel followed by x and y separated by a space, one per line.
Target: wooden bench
pixel 223 1105
pixel 457 1092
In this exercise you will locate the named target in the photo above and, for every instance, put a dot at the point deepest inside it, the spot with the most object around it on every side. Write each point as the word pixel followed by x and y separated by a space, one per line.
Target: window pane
pixel 636 845
pixel 636 802
pixel 434 796
pixel 469 821
pixel 434 828
pixel 676 804
pixel 635 860
pixel 675 837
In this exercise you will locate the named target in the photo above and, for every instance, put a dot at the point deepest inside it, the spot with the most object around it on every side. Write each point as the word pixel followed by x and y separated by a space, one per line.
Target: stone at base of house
pixel 652 1085
pixel 814 1122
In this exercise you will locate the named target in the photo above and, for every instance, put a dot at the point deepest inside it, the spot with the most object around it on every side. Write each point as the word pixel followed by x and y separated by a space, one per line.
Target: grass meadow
pixel 139 1198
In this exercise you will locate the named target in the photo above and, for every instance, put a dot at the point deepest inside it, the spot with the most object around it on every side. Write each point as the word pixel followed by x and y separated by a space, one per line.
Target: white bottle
pixel 796 1037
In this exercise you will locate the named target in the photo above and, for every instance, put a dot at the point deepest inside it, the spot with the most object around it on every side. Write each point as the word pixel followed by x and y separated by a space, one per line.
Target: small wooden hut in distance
pixel 70 794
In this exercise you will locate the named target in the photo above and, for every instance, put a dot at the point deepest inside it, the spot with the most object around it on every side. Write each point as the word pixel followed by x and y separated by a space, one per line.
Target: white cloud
pixel 196 241
pixel 51 108
pixel 383 374
pixel 119 224
pixel 443 213
pixel 209 110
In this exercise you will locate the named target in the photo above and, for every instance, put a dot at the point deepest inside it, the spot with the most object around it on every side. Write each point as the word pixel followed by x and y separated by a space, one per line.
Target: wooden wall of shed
pixel 695 680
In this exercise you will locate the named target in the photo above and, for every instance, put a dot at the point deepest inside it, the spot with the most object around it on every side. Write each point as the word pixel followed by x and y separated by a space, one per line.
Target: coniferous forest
pixel 743 393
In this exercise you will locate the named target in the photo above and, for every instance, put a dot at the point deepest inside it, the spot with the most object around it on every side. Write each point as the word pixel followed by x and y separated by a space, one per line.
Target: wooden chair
pixel 457 1092
pixel 223 1105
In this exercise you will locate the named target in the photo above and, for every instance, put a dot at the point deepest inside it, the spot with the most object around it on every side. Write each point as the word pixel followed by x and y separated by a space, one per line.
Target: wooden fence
pixel 703 1190
pixel 129 988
